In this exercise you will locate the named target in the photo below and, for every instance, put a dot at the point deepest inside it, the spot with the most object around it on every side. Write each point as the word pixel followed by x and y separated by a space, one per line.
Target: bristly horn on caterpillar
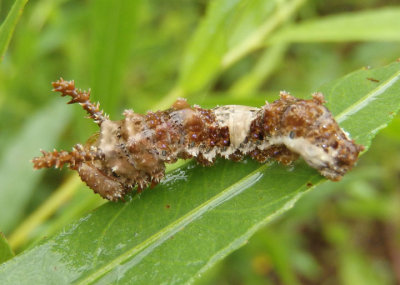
pixel 133 151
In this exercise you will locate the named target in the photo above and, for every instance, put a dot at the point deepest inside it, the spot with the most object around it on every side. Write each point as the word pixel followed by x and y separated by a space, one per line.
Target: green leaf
pixel 178 230
pixel 16 175
pixel 5 250
pixel 8 26
pixel 375 25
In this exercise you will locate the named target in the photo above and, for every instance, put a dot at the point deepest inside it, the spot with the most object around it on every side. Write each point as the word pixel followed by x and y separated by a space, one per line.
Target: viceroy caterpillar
pixel 133 151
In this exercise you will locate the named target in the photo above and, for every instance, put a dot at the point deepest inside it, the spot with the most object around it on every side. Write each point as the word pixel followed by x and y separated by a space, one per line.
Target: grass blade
pixel 374 25
pixel 8 26
pixel 224 37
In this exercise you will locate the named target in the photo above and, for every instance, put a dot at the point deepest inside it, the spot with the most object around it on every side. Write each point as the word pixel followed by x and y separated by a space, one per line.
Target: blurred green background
pixel 136 54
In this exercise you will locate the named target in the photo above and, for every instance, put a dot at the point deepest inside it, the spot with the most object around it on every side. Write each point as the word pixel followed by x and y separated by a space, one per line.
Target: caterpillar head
pixel 307 127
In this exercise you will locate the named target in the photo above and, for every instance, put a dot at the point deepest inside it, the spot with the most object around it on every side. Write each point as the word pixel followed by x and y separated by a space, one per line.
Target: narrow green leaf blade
pixel 207 47
pixel 5 249
pixel 175 232
pixel 8 26
pixel 230 31
pixel 375 25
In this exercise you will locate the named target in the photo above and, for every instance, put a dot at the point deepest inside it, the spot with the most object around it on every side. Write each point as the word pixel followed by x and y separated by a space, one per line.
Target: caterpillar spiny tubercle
pixel 133 151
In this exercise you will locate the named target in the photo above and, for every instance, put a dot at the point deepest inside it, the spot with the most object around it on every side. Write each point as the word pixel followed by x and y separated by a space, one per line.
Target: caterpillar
pixel 132 153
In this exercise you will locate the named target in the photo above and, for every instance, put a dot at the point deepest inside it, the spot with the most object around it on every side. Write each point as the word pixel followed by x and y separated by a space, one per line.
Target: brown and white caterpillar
pixel 133 151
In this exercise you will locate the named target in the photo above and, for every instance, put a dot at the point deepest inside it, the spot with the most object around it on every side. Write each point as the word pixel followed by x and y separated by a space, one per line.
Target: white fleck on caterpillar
pixel 133 151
